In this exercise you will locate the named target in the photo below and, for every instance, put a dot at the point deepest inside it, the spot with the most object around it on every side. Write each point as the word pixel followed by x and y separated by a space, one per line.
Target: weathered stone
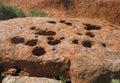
pixel 87 51
pixel 17 79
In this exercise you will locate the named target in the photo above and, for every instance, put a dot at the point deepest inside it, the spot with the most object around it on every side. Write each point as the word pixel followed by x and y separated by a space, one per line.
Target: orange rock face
pixel 83 50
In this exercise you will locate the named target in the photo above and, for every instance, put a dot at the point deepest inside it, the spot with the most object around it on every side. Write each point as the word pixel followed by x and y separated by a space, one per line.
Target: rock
pixel 80 49
pixel 18 79
pixel 11 71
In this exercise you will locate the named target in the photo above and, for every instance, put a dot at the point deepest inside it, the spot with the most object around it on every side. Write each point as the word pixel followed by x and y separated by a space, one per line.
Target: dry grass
pixel 105 9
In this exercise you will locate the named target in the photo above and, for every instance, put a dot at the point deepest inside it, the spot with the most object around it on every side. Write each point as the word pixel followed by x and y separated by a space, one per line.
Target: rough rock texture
pixel 104 9
pixel 12 79
pixel 83 50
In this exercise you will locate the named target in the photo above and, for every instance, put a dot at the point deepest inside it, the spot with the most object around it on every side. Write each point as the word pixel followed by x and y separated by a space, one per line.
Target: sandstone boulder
pixel 80 49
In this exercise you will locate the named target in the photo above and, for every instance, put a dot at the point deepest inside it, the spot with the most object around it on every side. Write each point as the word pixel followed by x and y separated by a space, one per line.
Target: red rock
pixel 61 49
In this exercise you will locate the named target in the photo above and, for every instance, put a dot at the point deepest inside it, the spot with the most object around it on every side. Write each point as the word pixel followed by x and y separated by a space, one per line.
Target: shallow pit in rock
pixel 92 27
pixel 87 43
pixel 46 33
pixel 17 40
pixel 38 51
pixel 31 42
pixel 54 42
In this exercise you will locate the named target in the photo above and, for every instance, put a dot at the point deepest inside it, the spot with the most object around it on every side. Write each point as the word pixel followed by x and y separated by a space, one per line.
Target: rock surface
pixel 83 50
pixel 17 79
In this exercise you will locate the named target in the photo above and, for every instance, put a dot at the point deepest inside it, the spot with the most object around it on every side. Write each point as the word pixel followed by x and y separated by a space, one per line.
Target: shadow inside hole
pixel 62 21
pixel 87 43
pixel 46 33
pixel 90 34
pixel 54 42
pixel 32 28
pixel 75 41
pixel 62 38
pixel 38 51
pixel 32 42
pixel 17 40
pixel 68 23
pixel 92 27
pixel 52 22
pixel 50 38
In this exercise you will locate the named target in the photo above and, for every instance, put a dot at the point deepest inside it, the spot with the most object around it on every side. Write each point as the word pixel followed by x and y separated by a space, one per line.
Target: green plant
pixel 8 12
pixel 115 81
pixel 36 13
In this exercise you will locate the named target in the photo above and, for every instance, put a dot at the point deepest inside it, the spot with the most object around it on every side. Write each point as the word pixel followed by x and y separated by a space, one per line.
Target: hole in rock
pixel 62 21
pixel 38 51
pixel 68 23
pixel 90 34
pixel 54 48
pixel 103 44
pixel 46 33
pixel 54 42
pixel 62 38
pixel 79 33
pixel 32 42
pixel 52 22
pixel 21 28
pixel 92 27
pixel 32 28
pixel 18 71
pixel 75 41
pixel 17 40
pixel 50 38
pixel 36 36
pixel 87 43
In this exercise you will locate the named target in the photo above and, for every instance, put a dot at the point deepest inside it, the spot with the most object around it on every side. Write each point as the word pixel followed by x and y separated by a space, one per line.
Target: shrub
pixel 36 13
pixel 8 12
pixel 115 81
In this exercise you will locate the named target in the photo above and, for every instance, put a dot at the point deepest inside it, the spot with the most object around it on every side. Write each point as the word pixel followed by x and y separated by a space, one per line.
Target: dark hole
pixel 54 42
pixel 36 36
pixel 116 28
pixel 18 71
pixel 52 22
pixel 21 28
pixel 68 23
pixel 103 44
pixel 53 48
pixel 75 41
pixel 50 38
pixel 62 38
pixel 46 33
pixel 32 42
pixel 87 43
pixel 32 28
pixel 38 51
pixel 79 33
pixel 17 40
pixel 90 34
pixel 92 27
pixel 57 78
pixel 62 21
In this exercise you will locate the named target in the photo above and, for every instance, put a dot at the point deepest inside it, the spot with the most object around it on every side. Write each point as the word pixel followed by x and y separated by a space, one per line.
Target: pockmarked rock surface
pixel 83 50
pixel 17 79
